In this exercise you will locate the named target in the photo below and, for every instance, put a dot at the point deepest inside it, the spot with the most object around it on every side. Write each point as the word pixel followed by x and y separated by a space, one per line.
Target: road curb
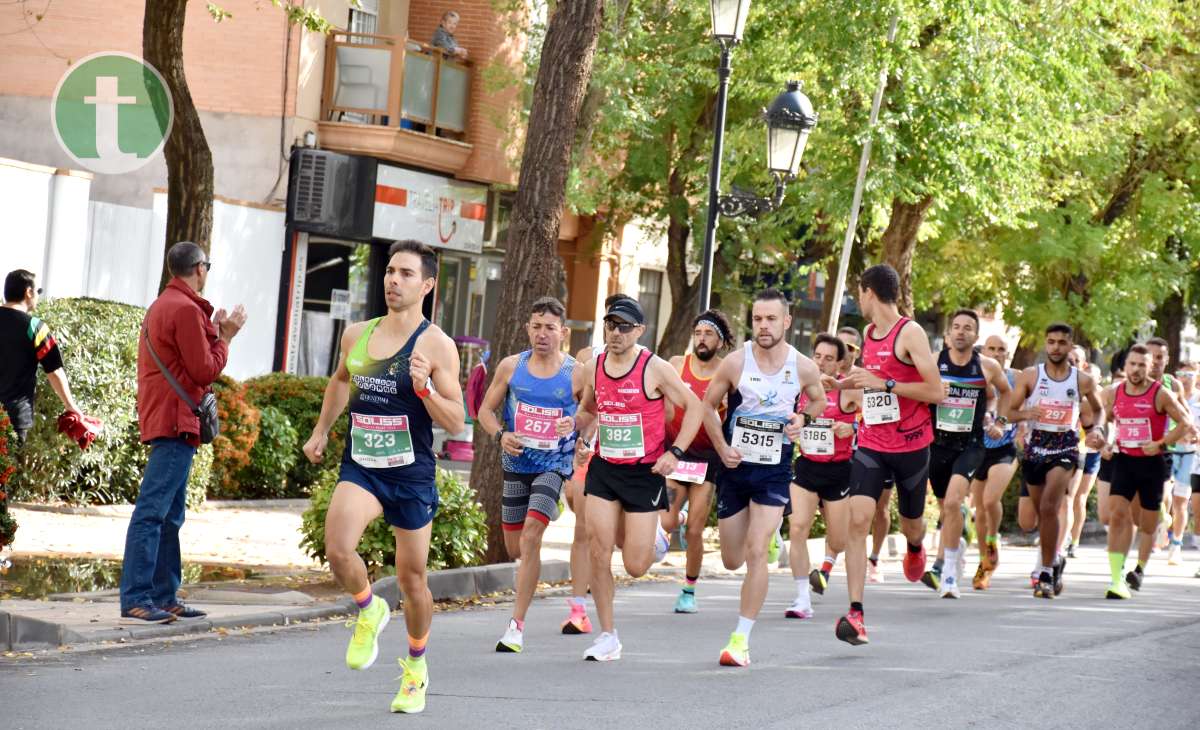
pixel 23 633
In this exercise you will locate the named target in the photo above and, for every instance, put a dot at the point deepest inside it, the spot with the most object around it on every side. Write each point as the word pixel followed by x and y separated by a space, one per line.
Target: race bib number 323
pixel 380 442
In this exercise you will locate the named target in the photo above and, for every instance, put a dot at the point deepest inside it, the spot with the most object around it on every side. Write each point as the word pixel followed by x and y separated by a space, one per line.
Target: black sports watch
pixel 676 451
pixel 889 384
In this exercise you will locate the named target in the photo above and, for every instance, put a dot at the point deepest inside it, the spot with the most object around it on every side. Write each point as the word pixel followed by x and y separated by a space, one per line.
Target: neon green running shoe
pixel 413 683
pixel 774 547
pixel 737 652
pixel 364 644
pixel 1118 591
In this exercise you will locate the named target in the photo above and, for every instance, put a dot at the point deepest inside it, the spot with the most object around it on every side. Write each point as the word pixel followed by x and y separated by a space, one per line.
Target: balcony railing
pixel 394 82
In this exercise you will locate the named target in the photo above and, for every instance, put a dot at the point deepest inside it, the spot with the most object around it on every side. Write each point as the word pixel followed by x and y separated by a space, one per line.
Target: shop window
pixel 650 296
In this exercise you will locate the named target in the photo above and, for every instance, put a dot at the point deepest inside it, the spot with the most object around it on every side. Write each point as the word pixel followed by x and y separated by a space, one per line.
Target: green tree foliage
pixel 1039 156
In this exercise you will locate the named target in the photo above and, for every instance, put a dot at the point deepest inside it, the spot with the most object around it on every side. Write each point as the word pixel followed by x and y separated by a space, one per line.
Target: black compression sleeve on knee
pixel 914 548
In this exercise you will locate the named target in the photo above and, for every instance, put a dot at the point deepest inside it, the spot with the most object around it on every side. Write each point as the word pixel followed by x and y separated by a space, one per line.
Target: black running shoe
pixel 1133 579
pixel 933 579
pixel 817 581
pixel 1044 587
pixel 1071 551
pixel 1060 564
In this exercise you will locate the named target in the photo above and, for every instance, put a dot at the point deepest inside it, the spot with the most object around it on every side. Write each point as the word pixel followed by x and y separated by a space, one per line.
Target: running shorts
pixel 530 495
pixel 870 470
pixel 830 480
pixel 635 486
pixel 1005 454
pixel 1035 471
pixel 762 484
pixel 946 463
pixel 1140 476
pixel 404 506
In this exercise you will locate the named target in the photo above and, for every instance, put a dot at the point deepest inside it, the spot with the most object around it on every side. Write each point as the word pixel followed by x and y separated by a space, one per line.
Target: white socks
pixel 950 566
pixel 744 626
pixel 802 591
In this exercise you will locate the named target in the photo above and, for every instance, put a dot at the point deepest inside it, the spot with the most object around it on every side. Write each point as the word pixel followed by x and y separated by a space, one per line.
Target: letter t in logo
pixel 106 101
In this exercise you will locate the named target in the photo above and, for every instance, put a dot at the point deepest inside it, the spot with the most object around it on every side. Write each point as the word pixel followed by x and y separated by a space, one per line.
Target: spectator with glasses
pixel 192 344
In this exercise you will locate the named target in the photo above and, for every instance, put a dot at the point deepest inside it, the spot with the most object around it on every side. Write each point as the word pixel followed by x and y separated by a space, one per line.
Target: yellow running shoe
pixel 737 652
pixel 364 644
pixel 413 683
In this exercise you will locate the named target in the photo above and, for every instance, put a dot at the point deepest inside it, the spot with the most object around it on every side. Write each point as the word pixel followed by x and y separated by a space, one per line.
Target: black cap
pixel 626 310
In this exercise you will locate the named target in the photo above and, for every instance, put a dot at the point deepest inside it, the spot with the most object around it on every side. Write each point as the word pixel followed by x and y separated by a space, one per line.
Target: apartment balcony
pixel 395 99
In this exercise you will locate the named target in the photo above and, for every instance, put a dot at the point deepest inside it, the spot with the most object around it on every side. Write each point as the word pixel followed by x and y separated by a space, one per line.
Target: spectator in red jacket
pixel 194 345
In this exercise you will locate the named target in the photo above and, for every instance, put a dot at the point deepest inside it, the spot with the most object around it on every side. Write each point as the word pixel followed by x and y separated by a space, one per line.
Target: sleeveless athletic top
pixel 1138 421
pixel 958 420
pixel 390 431
pixel 1009 431
pixel 699 386
pixel 532 407
pixel 760 407
pixel 631 427
pixel 817 440
pixel 891 423
pixel 1055 433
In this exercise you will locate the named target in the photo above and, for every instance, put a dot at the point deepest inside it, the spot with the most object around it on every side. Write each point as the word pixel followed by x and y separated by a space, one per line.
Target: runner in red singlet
pixel 900 378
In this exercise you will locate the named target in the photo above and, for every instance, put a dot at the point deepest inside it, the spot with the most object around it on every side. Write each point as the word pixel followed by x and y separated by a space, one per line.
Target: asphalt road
pixel 1000 659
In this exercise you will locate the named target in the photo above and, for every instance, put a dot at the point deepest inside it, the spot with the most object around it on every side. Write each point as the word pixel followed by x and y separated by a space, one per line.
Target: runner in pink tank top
pixel 880 431
pixel 625 387
pixel 1138 410
pixel 899 380
pixel 821 476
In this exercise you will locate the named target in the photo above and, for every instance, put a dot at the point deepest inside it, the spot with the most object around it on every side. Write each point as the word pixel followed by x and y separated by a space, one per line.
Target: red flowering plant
pixel 8 442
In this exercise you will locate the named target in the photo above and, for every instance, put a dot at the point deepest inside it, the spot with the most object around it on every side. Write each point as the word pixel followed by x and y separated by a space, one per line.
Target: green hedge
pixel 459 528
pixel 99 342
pixel 299 398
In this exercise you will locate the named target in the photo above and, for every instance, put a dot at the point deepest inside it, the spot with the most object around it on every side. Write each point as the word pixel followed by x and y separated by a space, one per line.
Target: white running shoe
pixel 874 574
pixel 799 609
pixel 606 648
pixel 513 640
pixel 1173 555
pixel 662 543
pixel 949 587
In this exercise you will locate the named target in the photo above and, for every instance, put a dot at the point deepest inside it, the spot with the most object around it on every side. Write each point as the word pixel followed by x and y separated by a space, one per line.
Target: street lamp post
pixel 789 119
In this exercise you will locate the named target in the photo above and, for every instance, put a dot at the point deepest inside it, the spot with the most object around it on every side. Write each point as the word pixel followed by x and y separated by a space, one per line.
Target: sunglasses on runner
pixel 1186 374
pixel 622 327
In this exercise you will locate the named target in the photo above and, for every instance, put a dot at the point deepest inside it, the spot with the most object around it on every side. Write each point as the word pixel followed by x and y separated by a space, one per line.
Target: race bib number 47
pixel 621 436
pixel 380 442
pixel 956 415
pixel 534 426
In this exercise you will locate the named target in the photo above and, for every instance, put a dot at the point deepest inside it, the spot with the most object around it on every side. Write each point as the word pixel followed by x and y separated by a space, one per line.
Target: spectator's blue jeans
pixel 152 569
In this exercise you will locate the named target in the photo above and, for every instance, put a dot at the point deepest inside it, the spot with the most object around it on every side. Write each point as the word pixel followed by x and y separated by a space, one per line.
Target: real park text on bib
pixel 380 442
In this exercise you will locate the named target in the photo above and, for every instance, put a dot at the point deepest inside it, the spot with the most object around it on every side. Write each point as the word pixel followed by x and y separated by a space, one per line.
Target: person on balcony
pixel 443 37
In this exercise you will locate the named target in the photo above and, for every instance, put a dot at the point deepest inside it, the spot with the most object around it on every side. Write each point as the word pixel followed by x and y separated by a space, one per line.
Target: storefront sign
pixel 440 211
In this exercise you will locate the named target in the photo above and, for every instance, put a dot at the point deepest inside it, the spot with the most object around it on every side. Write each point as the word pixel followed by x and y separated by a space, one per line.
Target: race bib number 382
pixel 621 436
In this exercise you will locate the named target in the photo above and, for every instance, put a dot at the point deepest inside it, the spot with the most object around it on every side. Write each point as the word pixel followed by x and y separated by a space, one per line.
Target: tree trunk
pixel 188 157
pixel 900 243
pixel 1170 318
pixel 685 295
pixel 1023 357
pixel 562 80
